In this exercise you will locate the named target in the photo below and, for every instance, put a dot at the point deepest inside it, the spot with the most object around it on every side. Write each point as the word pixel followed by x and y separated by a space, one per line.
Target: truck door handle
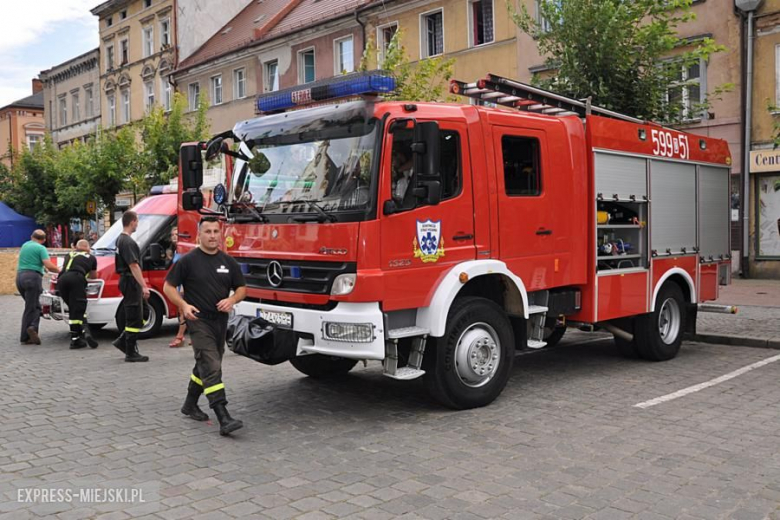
pixel 185 235
pixel 544 231
pixel 463 237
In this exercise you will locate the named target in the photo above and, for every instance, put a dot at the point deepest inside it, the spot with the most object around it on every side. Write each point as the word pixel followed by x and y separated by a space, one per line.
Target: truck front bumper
pixel 314 327
pixel 99 310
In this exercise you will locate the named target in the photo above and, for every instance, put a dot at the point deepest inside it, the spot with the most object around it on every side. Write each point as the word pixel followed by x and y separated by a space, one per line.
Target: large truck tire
pixel 659 334
pixel 319 366
pixel 469 366
pixel 154 314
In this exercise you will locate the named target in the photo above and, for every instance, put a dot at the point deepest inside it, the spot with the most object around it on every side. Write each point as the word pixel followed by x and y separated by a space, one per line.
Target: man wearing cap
pixel 33 260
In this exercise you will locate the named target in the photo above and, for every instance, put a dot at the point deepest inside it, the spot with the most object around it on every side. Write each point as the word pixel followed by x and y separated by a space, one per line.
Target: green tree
pixel 624 54
pixel 162 135
pixel 425 80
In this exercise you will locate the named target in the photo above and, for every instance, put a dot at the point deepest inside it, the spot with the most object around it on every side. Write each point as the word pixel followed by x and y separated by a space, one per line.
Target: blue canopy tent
pixel 15 229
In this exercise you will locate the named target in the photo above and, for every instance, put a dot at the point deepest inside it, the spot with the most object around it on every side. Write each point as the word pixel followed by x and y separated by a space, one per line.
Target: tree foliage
pixel 425 80
pixel 624 54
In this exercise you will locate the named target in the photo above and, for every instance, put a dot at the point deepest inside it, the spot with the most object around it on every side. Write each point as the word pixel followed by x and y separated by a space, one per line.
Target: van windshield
pixel 148 226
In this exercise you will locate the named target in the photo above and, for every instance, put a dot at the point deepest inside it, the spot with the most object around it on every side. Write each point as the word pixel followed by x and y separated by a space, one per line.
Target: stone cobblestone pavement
pixel 564 440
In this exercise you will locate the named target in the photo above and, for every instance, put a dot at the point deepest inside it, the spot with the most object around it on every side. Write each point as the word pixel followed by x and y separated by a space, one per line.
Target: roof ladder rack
pixel 514 94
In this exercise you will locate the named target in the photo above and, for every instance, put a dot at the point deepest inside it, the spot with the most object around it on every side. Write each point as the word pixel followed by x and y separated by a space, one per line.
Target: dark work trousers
pixel 133 302
pixel 30 286
pixel 73 288
pixel 208 343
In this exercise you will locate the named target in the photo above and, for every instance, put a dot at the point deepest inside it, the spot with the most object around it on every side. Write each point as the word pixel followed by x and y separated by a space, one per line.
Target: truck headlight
pixel 343 284
pixel 348 332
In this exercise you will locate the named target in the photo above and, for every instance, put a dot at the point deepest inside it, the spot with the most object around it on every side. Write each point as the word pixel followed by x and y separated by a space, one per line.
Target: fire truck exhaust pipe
pixel 617 332
pixel 721 309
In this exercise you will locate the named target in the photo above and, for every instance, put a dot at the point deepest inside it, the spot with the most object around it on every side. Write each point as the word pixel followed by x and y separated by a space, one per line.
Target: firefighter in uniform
pixel 207 276
pixel 72 286
pixel 133 288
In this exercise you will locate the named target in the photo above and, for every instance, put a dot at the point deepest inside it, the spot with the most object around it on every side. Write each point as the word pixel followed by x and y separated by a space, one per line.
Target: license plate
pixel 281 319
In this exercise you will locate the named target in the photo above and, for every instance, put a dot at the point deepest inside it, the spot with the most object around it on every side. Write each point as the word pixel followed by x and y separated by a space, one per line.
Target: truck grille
pixel 301 277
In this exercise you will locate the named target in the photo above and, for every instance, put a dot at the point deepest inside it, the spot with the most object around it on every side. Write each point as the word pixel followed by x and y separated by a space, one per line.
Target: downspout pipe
pixel 746 151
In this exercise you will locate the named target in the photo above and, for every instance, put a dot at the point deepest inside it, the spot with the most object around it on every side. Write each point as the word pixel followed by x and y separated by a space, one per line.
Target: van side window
pixel 403 160
pixel 522 166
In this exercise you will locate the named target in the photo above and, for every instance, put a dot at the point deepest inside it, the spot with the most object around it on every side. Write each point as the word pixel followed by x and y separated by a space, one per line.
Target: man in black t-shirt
pixel 207 276
pixel 132 286
pixel 72 286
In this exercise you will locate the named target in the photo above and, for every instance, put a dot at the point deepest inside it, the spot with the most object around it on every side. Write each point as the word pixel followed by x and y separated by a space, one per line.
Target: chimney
pixel 37 85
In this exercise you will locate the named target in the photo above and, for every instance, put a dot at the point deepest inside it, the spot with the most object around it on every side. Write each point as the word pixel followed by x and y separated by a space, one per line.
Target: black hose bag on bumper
pixel 258 339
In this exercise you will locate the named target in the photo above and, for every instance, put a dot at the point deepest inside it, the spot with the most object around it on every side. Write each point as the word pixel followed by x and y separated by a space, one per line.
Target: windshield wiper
pixel 104 249
pixel 254 216
pixel 323 215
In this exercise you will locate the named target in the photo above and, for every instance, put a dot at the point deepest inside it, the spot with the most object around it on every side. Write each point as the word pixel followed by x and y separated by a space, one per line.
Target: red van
pixel 156 219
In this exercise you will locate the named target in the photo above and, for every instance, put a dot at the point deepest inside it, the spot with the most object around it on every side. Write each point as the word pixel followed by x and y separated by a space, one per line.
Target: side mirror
pixel 427 150
pixel 214 148
pixel 156 252
pixel 192 200
pixel 389 207
pixel 191 166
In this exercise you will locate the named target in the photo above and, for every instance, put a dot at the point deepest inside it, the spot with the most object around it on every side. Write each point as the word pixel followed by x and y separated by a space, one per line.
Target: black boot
pixel 77 342
pixel 131 351
pixel 92 342
pixel 226 423
pixel 120 342
pixel 191 408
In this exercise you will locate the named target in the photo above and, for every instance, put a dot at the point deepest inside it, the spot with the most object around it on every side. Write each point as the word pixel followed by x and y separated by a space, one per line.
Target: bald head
pixel 39 235
pixel 82 245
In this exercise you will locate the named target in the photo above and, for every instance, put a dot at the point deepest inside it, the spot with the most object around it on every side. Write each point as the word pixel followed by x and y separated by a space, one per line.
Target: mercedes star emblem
pixel 274 233
pixel 274 273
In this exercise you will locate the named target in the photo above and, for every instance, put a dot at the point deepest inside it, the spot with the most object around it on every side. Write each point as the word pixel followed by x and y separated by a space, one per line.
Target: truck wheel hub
pixel 477 355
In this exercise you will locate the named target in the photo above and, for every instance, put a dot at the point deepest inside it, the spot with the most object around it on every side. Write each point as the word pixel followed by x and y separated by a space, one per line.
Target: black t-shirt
pixel 206 278
pixel 127 253
pixel 79 262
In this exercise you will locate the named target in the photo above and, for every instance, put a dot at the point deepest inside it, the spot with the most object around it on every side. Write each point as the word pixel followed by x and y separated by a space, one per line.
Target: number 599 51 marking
pixel 667 144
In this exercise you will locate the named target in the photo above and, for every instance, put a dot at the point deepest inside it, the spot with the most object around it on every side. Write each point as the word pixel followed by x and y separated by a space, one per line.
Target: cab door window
pixel 402 176
pixel 522 166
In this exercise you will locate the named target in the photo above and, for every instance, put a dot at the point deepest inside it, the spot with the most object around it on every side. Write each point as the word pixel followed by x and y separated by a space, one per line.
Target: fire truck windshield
pixel 317 162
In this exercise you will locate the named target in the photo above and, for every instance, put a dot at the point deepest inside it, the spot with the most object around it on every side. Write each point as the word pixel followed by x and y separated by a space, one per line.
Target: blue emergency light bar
pixel 376 81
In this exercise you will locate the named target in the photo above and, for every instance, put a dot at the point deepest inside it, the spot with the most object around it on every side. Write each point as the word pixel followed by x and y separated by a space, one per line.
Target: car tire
pixel 470 365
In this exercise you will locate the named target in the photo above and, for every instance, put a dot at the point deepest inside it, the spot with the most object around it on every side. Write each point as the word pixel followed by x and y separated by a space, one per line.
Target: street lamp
pixel 749 7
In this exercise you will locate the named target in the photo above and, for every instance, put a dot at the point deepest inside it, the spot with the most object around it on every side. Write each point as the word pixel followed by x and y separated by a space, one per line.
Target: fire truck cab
pixel 440 239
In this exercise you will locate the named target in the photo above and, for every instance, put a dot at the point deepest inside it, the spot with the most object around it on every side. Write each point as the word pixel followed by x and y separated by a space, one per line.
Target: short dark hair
pixel 128 218
pixel 205 220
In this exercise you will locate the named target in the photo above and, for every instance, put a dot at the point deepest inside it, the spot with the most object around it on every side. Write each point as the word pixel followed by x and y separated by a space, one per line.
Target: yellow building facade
pixel 137 49
pixel 478 34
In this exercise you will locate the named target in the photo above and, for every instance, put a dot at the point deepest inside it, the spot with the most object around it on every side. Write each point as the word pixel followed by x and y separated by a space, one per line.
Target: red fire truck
pixel 156 220
pixel 440 239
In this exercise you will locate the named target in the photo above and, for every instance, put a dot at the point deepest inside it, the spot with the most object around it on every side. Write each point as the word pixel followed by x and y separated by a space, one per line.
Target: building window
pixel 123 14
pixel 147 4
pixel 686 89
pixel 194 95
pixel 481 21
pixel 777 76
pixel 216 90
pixel 384 36
pixel 165 33
pixel 165 88
pixel 126 106
pixel 124 45
pixel 109 22
pixel 148 41
pixel 32 141
pixel 239 83
pixel 432 31
pixel 109 57
pixel 544 23
pixel 345 56
pixel 149 94
pixel 88 100
pixel 306 73
pixel 74 107
pixel 271 76
pixel 522 166
pixel 111 110
pixel 63 111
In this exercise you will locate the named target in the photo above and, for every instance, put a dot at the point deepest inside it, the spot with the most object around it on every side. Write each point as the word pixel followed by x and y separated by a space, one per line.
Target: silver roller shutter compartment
pixel 714 213
pixel 673 207
pixel 621 176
